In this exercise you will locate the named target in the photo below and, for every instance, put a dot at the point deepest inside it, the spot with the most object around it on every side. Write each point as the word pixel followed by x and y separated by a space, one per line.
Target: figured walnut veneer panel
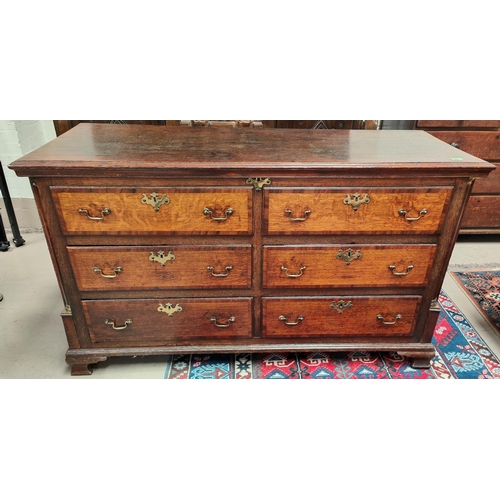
pixel 330 215
pixel 184 214
pixel 319 320
pixel 324 269
pixel 190 320
pixel 187 267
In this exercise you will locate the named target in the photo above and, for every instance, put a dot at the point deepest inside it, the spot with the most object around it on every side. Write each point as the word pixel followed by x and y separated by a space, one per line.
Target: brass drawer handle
pixel 289 323
pixel 116 270
pixel 227 213
pixel 381 318
pixel 301 271
pixel 402 273
pixel 411 219
pixel 230 320
pixel 104 211
pixel 112 323
pixel 297 219
pixel 220 275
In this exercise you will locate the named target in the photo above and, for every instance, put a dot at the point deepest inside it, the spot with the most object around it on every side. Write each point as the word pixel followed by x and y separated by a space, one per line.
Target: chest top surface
pixel 140 148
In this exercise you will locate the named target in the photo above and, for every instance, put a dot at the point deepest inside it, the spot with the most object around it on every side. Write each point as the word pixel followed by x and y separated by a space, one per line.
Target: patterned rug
pixel 482 286
pixel 461 354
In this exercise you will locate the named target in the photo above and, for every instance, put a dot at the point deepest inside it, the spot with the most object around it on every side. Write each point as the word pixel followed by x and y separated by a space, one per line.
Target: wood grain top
pixel 142 147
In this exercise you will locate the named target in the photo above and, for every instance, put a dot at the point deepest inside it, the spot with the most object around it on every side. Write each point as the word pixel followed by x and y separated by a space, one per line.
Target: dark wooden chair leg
pixel 17 238
pixel 4 242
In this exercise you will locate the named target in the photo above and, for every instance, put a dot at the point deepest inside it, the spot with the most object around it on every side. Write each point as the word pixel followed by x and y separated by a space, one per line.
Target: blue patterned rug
pixel 461 354
pixel 482 286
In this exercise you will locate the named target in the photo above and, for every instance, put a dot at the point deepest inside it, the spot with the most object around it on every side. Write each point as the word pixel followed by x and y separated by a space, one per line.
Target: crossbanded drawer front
pixel 384 316
pixel 146 210
pixel 161 267
pixel 347 266
pixel 355 210
pixel 153 320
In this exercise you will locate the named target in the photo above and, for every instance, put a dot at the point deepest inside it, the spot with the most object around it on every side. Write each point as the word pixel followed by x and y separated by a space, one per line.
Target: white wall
pixel 17 138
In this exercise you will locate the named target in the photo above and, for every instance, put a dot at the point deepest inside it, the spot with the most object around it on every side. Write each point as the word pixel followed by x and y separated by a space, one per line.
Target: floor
pixel 32 339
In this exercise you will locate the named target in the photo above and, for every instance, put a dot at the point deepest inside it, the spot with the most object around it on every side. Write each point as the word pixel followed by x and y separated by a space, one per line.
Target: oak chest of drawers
pixel 182 240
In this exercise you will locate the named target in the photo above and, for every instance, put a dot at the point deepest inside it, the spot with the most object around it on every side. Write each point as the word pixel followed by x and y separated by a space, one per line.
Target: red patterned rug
pixel 482 286
pixel 461 354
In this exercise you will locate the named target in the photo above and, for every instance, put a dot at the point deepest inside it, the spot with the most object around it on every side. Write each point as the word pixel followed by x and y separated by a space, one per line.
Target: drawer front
pixel 384 316
pixel 152 320
pixel 459 123
pixel 174 267
pixel 484 145
pixel 373 210
pixel 347 266
pixel 482 212
pixel 134 211
pixel 490 184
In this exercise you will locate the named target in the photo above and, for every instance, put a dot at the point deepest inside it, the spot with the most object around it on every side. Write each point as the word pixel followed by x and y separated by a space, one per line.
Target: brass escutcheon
pixel 341 306
pixel 155 200
pixel 259 182
pixel 116 270
pixel 104 211
pixel 355 200
pixel 161 257
pixel 169 309
pixel 349 255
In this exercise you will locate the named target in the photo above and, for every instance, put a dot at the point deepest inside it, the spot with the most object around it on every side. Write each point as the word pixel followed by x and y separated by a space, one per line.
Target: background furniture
pixel 480 138
pixel 62 126
pixel 207 239
pixel 17 238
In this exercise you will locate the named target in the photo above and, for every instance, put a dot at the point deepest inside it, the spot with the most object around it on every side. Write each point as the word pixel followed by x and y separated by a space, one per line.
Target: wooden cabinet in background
pixel 479 138
pixel 62 126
